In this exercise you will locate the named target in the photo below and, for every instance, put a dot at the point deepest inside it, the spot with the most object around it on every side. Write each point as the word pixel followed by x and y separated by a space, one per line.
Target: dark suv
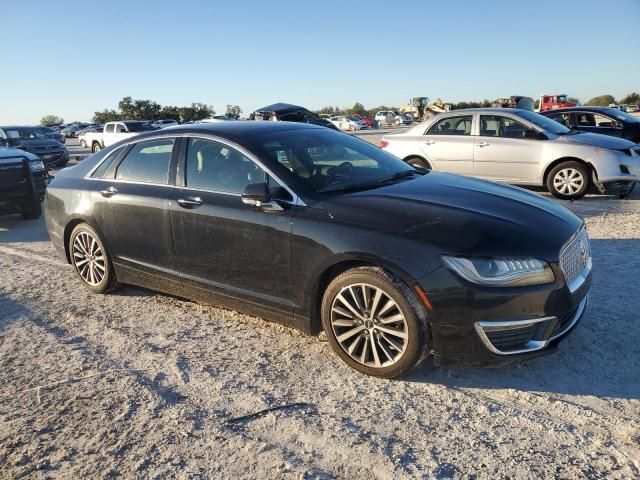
pixel 23 180
pixel 32 140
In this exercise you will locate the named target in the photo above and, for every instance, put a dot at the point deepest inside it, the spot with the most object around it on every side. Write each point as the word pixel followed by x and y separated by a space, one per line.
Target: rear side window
pixel 110 128
pixel 106 163
pixel 147 162
pixel 452 126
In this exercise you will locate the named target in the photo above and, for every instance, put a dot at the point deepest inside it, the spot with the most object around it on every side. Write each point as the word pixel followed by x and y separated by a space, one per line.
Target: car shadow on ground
pixel 600 357
pixel 13 229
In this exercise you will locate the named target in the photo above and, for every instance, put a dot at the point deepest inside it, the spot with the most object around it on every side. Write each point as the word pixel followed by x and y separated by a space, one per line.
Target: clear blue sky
pixel 71 58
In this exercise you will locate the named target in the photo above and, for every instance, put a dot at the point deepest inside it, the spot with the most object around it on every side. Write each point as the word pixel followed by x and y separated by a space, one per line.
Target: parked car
pixel 325 231
pixel 70 131
pixel 357 120
pixel 165 123
pixel 216 118
pixel 82 134
pixel 633 109
pixel 344 123
pixel 604 120
pixel 402 119
pixel 285 112
pixel 22 183
pixel 385 117
pixel 51 133
pixel 29 139
pixel 518 147
pixel 114 132
pixel 368 121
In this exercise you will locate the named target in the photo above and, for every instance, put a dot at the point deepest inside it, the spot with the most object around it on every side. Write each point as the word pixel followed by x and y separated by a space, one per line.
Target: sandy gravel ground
pixel 142 385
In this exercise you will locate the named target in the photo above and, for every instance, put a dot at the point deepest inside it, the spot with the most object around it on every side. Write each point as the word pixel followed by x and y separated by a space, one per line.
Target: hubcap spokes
pixel 88 259
pixel 369 325
pixel 568 181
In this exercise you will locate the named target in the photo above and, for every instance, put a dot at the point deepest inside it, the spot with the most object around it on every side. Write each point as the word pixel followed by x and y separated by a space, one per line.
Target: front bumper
pixel 617 167
pixel 483 326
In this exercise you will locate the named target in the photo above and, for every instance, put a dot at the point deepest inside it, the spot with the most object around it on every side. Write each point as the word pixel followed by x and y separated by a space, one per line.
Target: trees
pixel 631 99
pixel 357 108
pixel 601 101
pixel 233 111
pixel 51 120
pixel 106 116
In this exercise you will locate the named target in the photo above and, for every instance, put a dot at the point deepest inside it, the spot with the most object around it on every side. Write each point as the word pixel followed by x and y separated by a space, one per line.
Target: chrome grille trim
pixel 575 260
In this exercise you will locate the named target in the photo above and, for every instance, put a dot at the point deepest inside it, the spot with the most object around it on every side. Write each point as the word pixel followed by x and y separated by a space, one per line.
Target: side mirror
pixel 258 195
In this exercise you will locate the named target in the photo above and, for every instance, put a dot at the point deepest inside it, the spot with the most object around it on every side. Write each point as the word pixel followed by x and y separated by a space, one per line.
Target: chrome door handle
pixel 483 144
pixel 191 202
pixel 109 192
pixel 429 142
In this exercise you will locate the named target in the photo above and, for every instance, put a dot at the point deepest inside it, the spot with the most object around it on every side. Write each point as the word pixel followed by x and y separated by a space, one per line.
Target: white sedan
pixel 345 123
pixel 518 147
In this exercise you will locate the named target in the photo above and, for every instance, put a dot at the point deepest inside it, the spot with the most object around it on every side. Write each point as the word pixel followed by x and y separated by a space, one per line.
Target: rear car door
pixel 448 144
pixel 503 150
pixel 222 245
pixel 135 198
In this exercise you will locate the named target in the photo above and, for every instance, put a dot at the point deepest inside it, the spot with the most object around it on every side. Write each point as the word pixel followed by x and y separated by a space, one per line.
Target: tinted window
pixel 147 162
pixel 498 126
pixel 214 166
pixel 139 126
pixel 562 118
pixel 452 126
pixel 104 166
pixel 588 119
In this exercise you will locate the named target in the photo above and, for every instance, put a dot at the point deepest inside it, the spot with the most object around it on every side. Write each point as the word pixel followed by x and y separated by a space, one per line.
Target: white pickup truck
pixel 114 132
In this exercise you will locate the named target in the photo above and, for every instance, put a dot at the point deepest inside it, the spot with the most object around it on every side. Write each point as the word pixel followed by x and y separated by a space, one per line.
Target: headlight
pixel 36 165
pixel 501 272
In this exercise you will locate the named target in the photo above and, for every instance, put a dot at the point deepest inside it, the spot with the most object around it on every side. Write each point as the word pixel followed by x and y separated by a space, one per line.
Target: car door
pixel 598 123
pixel 448 144
pixel 505 150
pixel 223 245
pixel 109 135
pixel 135 197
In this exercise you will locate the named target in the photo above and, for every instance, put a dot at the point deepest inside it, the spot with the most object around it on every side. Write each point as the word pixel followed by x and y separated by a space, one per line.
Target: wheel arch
pixel 560 160
pixel 418 157
pixel 73 223
pixel 338 266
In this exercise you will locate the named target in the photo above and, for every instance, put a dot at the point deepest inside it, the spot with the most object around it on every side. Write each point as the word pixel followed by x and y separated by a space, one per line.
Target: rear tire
pixel 419 162
pixel 91 261
pixel 374 322
pixel 569 180
pixel 83 144
pixel 96 147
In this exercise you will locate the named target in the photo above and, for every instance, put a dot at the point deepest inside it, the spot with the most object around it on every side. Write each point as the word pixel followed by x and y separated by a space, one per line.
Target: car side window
pixel 587 119
pixel 107 162
pixel 214 166
pixel 452 126
pixel 147 162
pixel 562 118
pixel 499 126
pixel 110 128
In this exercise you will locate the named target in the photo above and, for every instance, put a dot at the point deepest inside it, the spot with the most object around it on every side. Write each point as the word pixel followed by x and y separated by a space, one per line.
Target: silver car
pixel 518 147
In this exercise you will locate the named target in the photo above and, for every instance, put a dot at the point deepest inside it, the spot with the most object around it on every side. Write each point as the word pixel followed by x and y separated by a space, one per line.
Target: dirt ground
pixel 141 385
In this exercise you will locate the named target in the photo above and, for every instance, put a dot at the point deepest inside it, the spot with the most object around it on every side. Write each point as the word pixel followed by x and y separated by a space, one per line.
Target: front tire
pixel 569 180
pixel 374 322
pixel 91 261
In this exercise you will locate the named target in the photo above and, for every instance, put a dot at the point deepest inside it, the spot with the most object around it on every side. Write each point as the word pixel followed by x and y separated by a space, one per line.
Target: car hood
pixel 38 143
pixel 462 216
pixel 598 140
pixel 8 152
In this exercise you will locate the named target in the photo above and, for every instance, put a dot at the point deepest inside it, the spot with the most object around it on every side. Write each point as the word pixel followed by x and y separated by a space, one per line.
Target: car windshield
pixel 139 126
pixel 328 161
pixel 25 133
pixel 622 116
pixel 545 123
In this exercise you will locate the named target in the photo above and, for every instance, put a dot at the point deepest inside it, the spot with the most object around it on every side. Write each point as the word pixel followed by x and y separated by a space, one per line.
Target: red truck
pixel 551 102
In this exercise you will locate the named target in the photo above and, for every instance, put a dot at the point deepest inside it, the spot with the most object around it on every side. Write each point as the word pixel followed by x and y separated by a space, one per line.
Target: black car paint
pixel 50 151
pixel 629 131
pixel 277 264
pixel 20 187
pixel 293 113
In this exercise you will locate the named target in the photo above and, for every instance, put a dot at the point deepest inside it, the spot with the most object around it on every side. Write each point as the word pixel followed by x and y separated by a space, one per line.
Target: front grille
pixel 512 339
pixel 575 259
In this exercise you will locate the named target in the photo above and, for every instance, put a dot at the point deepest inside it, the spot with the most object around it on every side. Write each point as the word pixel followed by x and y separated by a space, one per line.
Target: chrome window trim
pixel 296 198
pixel 531 345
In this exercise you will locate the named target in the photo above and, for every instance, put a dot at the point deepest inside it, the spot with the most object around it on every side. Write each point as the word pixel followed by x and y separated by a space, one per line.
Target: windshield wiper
pixel 374 184
pixel 399 175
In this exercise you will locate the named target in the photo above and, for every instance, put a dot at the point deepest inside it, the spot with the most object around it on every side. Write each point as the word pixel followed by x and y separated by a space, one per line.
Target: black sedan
pixel 320 230
pixel 604 120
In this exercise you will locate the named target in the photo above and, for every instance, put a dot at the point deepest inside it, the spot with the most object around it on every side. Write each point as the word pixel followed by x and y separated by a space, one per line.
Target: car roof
pixel 280 108
pixel 582 108
pixel 484 110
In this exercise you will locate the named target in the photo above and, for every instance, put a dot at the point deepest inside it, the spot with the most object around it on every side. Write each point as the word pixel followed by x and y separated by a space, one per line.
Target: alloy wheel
pixel 369 325
pixel 568 181
pixel 88 258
